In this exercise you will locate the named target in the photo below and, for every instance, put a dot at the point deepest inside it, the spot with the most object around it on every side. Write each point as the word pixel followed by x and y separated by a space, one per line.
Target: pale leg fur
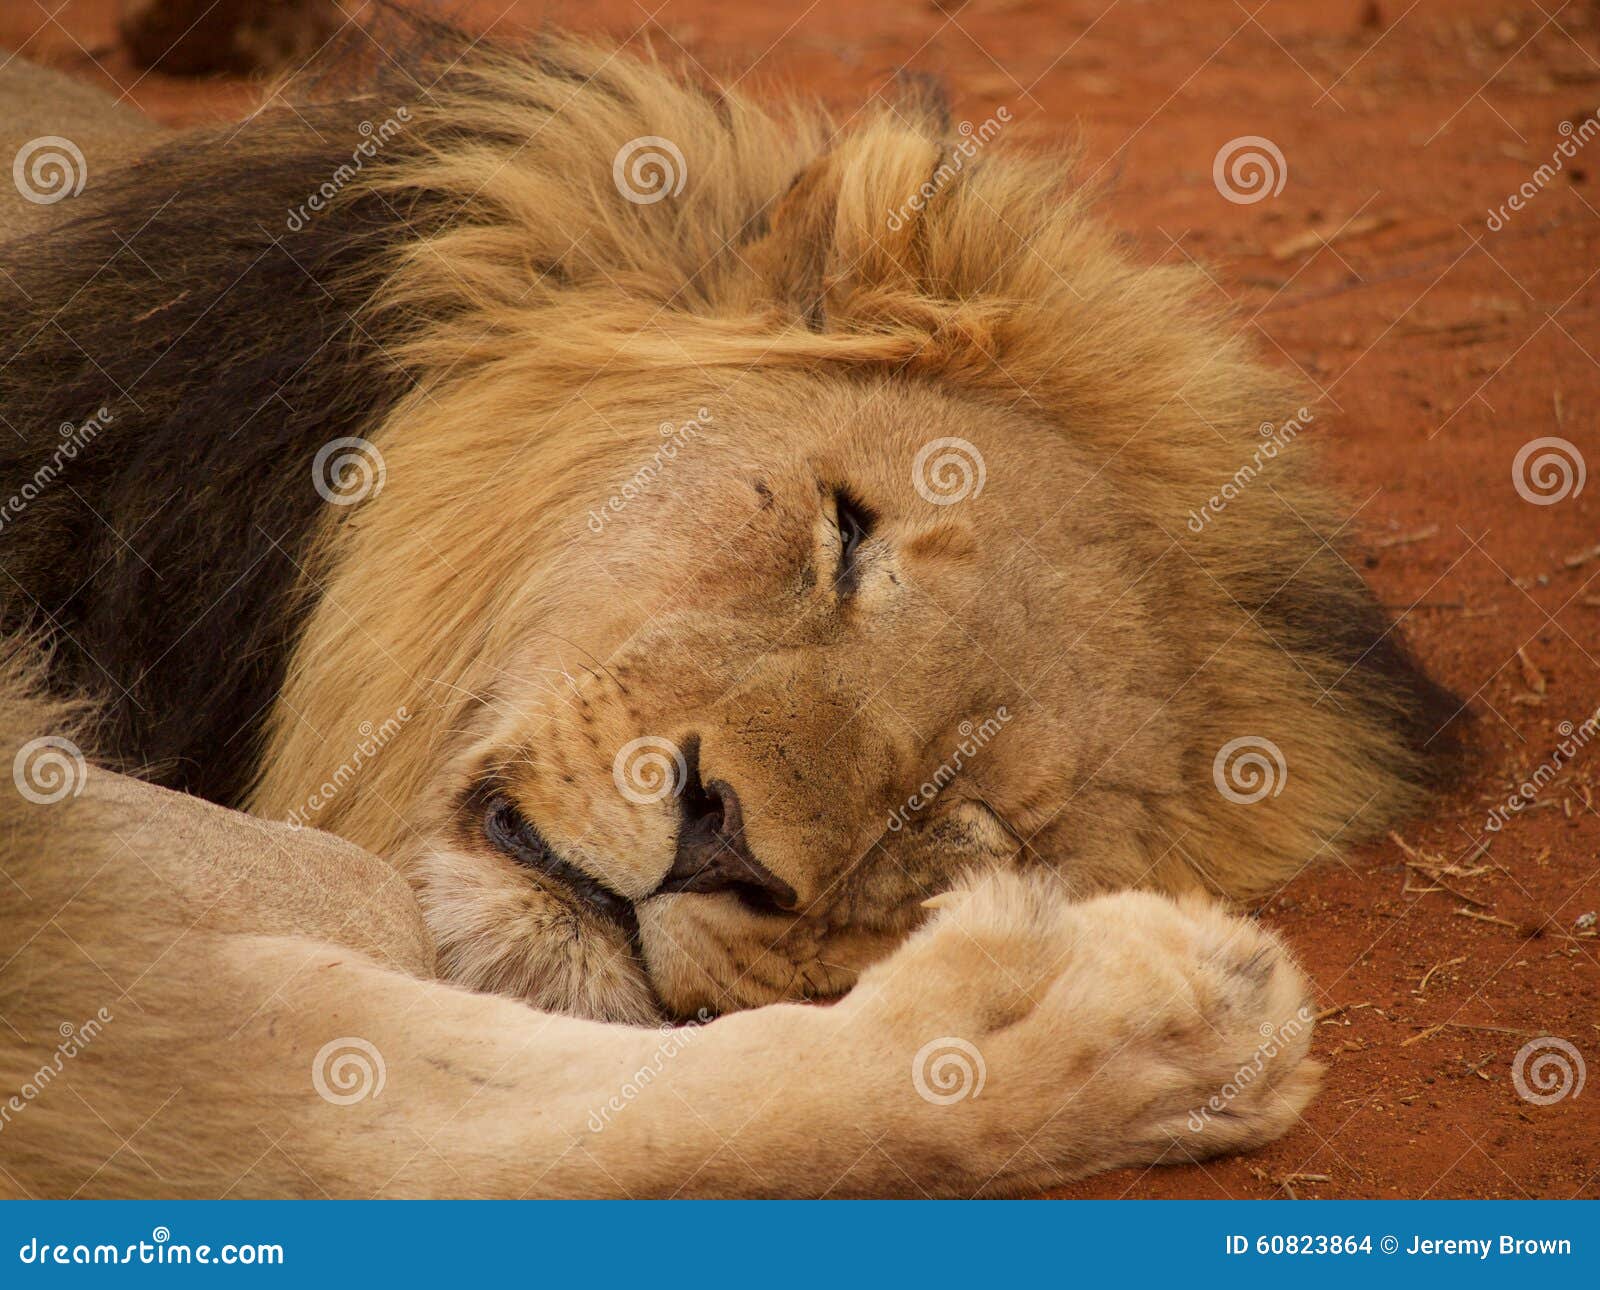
pixel 228 952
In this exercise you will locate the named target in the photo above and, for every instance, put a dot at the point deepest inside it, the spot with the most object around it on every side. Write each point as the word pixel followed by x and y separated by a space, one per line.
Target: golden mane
pixel 797 248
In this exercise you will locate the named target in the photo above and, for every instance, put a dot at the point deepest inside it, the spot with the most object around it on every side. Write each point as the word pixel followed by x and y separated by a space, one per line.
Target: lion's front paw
pixel 1040 1039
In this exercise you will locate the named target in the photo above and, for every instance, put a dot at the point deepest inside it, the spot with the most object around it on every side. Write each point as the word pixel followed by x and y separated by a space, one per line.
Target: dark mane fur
pixel 226 349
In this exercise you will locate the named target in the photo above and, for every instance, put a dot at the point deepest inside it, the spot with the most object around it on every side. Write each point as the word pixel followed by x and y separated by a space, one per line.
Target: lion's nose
pixel 712 854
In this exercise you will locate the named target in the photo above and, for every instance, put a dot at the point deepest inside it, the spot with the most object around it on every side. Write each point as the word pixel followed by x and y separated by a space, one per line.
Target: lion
pixel 556 549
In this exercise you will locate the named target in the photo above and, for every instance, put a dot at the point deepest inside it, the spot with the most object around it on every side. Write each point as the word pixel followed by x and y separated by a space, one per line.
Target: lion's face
pixel 826 649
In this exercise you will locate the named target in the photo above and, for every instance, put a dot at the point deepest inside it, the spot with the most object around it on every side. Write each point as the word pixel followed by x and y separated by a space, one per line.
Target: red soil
pixel 1432 350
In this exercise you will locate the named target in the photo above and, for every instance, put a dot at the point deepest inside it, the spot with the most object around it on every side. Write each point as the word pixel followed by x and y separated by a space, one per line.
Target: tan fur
pixel 176 973
pixel 558 327
pixel 41 103
pixel 566 326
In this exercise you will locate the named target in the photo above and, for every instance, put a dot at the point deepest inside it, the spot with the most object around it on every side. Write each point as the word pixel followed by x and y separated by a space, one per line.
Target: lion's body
pixel 511 338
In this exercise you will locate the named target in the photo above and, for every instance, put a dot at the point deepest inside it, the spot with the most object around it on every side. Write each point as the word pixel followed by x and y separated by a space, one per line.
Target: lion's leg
pixel 1101 1029
pixel 270 1065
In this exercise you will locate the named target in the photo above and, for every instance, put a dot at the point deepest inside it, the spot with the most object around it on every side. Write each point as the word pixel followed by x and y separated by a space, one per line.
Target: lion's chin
pixel 708 954
pixel 497 929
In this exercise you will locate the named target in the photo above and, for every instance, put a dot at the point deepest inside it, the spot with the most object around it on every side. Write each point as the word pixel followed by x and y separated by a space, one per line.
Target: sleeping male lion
pixel 686 559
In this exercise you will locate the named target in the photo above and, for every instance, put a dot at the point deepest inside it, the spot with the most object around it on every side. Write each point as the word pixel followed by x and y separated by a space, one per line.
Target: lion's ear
pixel 792 256
pixel 923 98
pixel 849 223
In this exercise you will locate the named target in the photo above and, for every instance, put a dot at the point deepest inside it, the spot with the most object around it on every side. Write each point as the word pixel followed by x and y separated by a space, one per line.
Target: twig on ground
pixel 1531 675
pixel 1406 539
pixel 1428 975
pixel 1486 918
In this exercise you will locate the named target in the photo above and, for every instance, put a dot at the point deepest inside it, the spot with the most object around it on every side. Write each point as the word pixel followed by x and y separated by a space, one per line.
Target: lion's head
pixel 849 639
pixel 773 523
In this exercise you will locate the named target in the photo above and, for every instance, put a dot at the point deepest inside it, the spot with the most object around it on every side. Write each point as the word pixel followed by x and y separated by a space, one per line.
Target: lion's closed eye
pixel 854 522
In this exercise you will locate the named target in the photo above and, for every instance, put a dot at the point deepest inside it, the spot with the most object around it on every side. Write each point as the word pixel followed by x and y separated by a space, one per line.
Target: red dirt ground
pixel 1432 350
